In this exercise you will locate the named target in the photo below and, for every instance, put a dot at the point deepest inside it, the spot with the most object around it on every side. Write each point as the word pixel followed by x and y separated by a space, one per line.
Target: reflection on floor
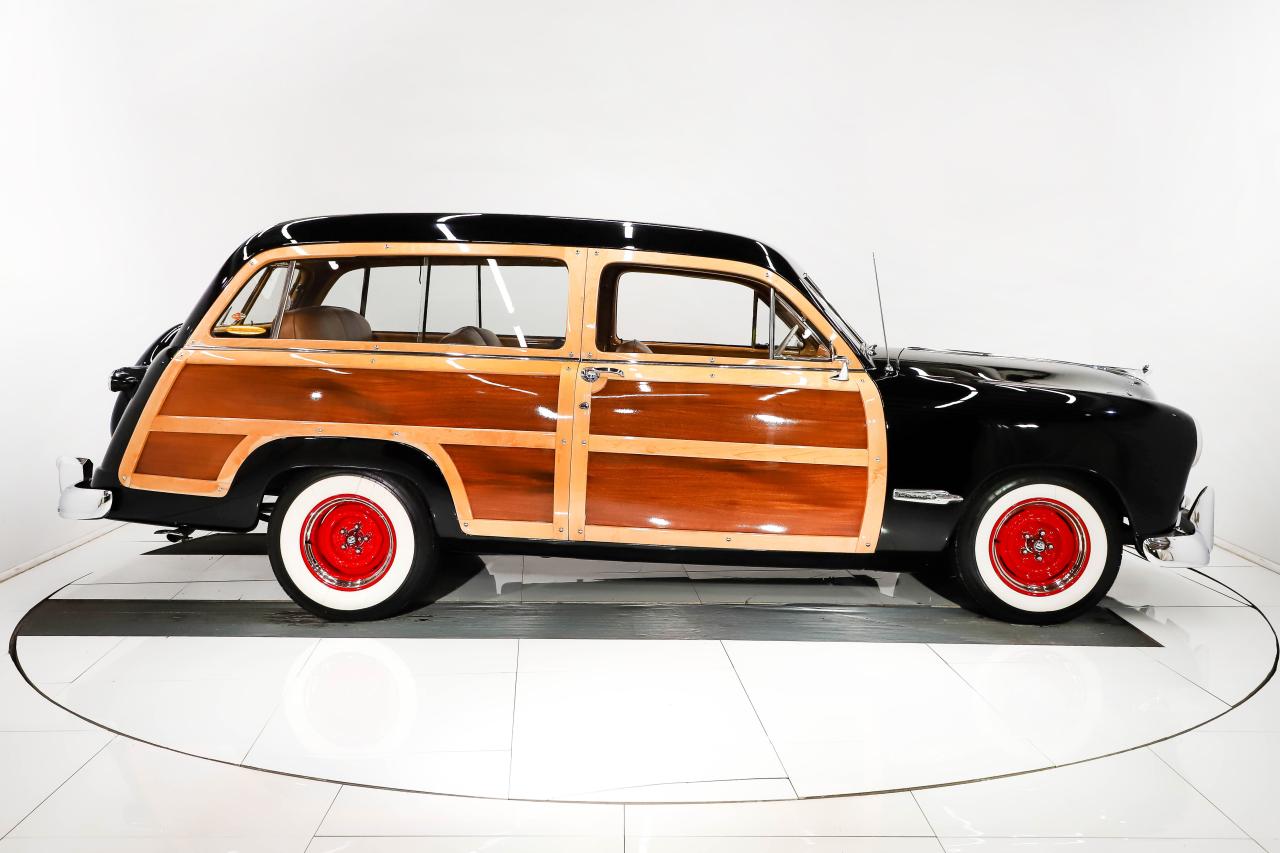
pixel 631 724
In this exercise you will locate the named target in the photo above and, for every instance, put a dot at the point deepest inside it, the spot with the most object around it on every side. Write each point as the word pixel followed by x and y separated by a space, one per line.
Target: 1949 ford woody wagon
pixel 380 386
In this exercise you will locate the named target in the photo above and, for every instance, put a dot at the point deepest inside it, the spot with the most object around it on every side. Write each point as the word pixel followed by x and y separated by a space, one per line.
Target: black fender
pixel 1136 449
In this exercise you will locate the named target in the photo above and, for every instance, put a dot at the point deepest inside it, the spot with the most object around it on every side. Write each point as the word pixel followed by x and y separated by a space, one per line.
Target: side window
pixel 520 301
pixel 649 310
pixel 473 301
pixel 395 301
pixel 658 307
pixel 388 293
pixel 253 311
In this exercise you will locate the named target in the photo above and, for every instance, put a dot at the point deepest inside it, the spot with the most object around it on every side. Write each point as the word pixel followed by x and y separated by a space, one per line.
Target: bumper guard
pixel 78 501
pixel 1191 540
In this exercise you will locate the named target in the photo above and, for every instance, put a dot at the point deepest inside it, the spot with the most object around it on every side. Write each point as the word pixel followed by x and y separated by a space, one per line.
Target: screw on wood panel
pixel 580 531
pixel 877 458
pixel 395 434
pixel 466 524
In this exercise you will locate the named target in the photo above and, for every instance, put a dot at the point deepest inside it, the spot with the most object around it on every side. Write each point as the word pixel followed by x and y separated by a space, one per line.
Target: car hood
pixel 1039 372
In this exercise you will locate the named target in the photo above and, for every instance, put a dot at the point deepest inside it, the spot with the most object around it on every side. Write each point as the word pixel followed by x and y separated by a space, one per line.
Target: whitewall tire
pixel 351 546
pixel 1038 549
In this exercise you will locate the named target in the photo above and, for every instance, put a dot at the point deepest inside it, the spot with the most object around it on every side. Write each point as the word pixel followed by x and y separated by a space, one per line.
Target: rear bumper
pixel 78 501
pixel 1191 540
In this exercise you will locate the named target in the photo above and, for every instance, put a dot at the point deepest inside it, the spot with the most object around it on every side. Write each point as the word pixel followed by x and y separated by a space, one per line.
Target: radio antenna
pixel 884 334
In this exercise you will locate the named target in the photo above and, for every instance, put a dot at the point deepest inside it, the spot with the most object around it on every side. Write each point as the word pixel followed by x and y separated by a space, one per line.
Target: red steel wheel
pixel 1039 546
pixel 348 542
pixel 352 545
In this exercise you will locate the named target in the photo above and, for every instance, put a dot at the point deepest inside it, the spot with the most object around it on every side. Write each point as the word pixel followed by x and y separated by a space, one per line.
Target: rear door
pixel 711 411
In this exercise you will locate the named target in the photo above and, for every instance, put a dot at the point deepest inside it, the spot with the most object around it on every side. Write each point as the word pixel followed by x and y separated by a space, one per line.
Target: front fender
pixel 966 437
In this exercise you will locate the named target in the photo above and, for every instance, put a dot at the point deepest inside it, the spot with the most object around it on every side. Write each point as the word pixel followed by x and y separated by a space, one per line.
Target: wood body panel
pixel 728 451
pixel 671 493
pixel 463 400
pixel 188 455
pixel 747 414
pixel 482 394
pixel 696 412
pixel 507 483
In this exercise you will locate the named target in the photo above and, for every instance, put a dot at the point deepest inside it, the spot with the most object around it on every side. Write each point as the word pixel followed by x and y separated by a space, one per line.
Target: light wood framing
pixel 565 431
pixel 649 370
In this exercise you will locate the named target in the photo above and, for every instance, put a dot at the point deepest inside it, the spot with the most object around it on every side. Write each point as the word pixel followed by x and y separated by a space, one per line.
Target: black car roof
pixel 518 228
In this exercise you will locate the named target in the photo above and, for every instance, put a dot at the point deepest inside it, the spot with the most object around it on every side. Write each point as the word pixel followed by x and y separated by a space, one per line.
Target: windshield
pixel 833 316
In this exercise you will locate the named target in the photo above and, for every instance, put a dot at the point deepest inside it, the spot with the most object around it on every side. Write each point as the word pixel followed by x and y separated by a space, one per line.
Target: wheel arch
pixel 269 468
pixel 1089 476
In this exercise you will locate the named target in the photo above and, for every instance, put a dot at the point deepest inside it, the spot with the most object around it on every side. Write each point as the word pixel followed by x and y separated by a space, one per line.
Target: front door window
pixel 652 310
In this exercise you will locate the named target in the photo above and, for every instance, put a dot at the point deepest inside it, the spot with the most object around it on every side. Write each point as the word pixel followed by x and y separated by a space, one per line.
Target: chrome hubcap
pixel 354 538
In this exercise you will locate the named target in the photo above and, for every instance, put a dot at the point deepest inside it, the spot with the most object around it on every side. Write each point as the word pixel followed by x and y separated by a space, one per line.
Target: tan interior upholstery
pixel 634 346
pixel 324 323
pixel 472 336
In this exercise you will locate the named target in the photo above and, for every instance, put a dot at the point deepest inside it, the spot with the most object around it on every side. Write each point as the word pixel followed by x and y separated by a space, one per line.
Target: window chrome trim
pixel 810 365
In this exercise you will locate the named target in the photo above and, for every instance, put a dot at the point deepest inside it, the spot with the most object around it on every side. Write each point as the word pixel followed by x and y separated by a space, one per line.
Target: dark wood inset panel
pixel 360 395
pixel 507 483
pixel 705 411
pixel 670 493
pixel 193 455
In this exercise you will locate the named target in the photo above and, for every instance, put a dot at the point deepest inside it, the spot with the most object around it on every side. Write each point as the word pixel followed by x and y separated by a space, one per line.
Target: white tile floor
pixel 637 723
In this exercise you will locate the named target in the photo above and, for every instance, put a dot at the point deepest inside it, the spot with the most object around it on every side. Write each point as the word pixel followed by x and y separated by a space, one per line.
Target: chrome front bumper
pixel 78 501
pixel 1190 542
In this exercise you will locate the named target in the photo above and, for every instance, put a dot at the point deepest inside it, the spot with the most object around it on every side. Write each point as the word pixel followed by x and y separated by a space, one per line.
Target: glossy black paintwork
pixel 961 421
pixel 955 421
pixel 516 228
pixel 125 380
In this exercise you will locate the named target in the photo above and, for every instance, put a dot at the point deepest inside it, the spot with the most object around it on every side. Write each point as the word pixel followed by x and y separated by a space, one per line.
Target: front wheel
pixel 1038 549
pixel 351 546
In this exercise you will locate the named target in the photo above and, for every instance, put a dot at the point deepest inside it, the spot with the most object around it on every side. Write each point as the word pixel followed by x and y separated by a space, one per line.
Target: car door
pixel 711 410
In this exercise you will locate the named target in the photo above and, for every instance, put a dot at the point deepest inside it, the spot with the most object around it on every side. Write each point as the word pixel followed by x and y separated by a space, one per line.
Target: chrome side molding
pixel 925 496
pixel 1190 542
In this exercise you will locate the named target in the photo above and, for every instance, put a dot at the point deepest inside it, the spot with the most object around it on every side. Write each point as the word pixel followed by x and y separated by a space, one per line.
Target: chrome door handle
pixel 591 374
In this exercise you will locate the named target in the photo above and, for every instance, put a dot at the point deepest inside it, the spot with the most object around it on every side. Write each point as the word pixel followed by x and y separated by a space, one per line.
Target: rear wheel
pixel 351 546
pixel 1038 549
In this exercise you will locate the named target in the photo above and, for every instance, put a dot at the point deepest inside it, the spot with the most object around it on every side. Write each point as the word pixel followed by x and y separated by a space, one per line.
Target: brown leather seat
pixel 633 346
pixel 324 323
pixel 472 336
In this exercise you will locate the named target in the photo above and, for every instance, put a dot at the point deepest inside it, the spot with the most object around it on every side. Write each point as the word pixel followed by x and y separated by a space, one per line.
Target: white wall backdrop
pixel 1086 180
